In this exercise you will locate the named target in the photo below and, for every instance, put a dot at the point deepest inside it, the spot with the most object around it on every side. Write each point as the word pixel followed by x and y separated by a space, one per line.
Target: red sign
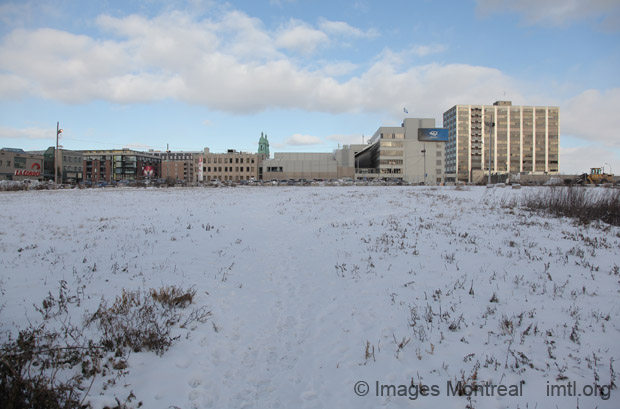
pixel 20 172
pixel 148 171
pixel 35 173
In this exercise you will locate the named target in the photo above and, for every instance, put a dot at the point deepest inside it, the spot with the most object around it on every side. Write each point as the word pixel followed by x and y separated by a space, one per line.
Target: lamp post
pixel 424 152
pixel 58 132
pixel 609 167
pixel 490 124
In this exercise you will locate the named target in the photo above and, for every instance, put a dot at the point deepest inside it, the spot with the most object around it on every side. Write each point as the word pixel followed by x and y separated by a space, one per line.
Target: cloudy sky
pixel 311 74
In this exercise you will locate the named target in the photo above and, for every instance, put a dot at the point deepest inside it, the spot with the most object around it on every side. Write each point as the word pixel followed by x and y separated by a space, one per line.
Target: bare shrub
pixel 583 204
pixel 173 296
pixel 138 321
pixel 30 368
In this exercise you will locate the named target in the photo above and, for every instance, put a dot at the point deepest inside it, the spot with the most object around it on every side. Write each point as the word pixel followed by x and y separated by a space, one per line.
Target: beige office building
pixel 412 152
pixel 524 139
pixel 232 165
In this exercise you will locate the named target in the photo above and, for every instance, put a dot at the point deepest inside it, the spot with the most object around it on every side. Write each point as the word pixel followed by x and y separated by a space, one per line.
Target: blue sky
pixel 311 74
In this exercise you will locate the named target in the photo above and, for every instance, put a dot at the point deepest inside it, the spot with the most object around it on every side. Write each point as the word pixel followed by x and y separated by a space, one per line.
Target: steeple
pixel 263 145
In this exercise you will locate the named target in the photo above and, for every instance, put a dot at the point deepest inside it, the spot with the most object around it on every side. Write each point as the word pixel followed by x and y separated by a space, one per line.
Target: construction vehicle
pixel 596 177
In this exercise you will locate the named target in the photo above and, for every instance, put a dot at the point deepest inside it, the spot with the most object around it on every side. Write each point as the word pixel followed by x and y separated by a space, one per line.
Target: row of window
pixel 228 169
pixel 392 136
pixel 230 160
pixel 18 163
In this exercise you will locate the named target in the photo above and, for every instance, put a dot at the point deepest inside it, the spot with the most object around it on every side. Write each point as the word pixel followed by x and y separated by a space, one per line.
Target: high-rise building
pixel 524 139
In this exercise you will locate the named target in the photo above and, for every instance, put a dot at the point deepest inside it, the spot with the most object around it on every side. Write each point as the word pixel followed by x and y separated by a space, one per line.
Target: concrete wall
pixel 301 166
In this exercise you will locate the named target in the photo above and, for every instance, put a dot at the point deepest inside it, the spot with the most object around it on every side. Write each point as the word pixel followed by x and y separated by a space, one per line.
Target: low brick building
pixel 178 166
pixel 120 164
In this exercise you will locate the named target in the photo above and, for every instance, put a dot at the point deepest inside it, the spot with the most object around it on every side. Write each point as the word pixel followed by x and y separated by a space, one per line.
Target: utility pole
pixel 490 124
pixel 58 132
pixel 424 152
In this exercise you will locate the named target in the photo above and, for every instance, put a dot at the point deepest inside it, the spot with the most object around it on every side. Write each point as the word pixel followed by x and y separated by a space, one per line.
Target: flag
pixel 405 110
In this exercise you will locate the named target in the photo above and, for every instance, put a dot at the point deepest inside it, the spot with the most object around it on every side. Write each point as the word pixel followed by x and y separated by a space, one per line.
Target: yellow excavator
pixel 596 177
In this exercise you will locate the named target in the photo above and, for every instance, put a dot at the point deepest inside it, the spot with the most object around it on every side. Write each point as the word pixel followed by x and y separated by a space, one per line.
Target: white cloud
pixel 27 133
pixel 593 116
pixel 424 50
pixel 580 159
pixel 344 29
pixel 232 63
pixel 348 139
pixel 300 140
pixel 205 62
pixel 337 69
pixel 300 37
pixel 557 12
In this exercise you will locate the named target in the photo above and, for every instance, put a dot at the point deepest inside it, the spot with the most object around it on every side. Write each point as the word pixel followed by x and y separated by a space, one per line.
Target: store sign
pixel 149 171
pixel 34 172
pixel 21 172
pixel 433 134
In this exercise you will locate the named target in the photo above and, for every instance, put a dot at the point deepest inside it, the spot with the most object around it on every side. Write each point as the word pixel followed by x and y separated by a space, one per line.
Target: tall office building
pixel 524 139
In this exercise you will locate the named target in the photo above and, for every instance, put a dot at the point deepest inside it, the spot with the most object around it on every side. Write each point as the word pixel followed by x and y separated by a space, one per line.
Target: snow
pixel 313 289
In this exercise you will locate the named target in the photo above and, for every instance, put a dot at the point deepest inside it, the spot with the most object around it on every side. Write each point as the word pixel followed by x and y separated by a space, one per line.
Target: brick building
pixel 120 164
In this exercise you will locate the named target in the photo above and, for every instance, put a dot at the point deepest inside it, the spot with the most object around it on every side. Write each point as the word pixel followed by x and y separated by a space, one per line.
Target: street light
pixel 609 168
pixel 424 152
pixel 490 124
pixel 58 132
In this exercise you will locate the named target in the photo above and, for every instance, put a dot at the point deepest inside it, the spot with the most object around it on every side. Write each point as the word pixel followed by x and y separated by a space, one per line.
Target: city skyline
pixel 310 74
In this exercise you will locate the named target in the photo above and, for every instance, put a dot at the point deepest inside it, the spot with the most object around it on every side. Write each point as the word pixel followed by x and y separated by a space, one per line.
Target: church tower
pixel 263 145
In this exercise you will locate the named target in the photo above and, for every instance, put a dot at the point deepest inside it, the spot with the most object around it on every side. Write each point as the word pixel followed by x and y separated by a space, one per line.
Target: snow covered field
pixel 322 294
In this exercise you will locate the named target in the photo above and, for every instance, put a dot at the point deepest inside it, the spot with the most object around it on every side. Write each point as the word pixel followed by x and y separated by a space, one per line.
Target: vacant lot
pixel 306 292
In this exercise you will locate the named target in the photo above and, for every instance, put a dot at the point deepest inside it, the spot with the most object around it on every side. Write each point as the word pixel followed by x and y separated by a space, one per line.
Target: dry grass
pixel 584 204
